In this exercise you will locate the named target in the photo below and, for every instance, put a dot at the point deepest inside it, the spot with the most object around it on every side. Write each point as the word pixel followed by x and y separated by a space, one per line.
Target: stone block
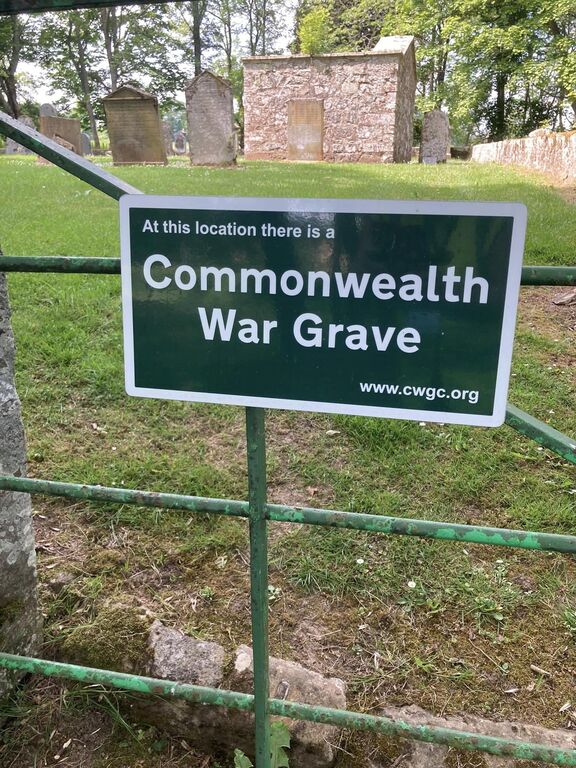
pixel 176 656
pixel 425 755
pixel 215 729
pixel 312 744
pixel 20 619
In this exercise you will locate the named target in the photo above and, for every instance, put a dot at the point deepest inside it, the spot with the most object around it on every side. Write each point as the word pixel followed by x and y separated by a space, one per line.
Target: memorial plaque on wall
pixel 305 129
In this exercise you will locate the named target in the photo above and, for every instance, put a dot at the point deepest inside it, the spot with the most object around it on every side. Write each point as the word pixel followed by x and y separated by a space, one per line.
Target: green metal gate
pixel 259 512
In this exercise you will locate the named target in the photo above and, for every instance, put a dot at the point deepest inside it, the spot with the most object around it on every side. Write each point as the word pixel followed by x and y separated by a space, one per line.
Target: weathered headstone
pixel 65 128
pixel 12 147
pixel 180 143
pixel 167 134
pixel 62 143
pixel 435 139
pixel 85 143
pixel 20 619
pixel 210 112
pixel 48 110
pixel 134 127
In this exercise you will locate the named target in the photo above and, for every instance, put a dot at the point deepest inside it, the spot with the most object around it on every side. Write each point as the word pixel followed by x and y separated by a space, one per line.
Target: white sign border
pixel 516 211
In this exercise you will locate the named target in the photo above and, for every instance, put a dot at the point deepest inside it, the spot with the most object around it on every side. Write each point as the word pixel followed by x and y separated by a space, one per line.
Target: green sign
pixel 379 308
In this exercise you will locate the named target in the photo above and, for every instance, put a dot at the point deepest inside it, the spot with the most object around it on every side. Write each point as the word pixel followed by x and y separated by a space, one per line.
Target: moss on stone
pixel 10 611
pixel 116 639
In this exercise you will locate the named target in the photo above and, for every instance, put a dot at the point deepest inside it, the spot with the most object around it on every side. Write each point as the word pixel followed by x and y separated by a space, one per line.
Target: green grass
pixel 82 221
pixel 430 597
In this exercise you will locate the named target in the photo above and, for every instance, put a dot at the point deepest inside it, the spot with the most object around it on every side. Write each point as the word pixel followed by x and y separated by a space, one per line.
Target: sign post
pixel 376 308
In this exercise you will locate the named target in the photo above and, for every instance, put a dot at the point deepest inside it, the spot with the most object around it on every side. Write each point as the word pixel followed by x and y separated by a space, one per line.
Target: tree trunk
pixel 85 85
pixel 109 32
pixel 499 125
pixel 197 13
pixel 8 79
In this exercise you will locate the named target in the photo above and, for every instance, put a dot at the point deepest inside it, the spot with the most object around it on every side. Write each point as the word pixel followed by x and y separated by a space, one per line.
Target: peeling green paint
pixel 463 740
pixel 429 529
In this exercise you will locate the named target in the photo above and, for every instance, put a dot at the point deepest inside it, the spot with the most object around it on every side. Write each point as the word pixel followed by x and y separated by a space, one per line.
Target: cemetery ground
pixel 449 627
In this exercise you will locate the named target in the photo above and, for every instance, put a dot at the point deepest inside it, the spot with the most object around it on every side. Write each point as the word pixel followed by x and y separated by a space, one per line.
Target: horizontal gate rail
pixel 12 7
pixel 531 275
pixel 449 737
pixel 360 521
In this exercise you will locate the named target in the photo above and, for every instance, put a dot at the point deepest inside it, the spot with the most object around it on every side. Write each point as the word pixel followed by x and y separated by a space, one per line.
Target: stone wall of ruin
pixel 553 153
pixel 360 96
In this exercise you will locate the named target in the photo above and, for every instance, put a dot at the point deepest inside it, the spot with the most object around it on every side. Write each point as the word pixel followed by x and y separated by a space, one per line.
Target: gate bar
pixel 360 521
pixel 12 7
pixel 541 433
pixel 71 162
pixel 457 739
pixel 531 275
pixel 256 455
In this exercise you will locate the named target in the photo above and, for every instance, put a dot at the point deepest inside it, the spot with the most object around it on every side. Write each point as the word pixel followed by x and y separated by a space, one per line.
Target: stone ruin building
pixel 343 107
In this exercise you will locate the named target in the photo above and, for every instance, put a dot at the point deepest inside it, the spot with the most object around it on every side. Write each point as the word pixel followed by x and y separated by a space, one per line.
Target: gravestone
pixel 20 619
pixel 167 134
pixel 435 139
pixel 85 143
pixel 134 127
pixel 12 147
pixel 180 143
pixel 65 128
pixel 63 143
pixel 210 112
pixel 48 110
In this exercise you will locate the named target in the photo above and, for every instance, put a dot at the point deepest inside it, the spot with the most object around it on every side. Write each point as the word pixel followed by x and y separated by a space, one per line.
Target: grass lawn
pixel 402 620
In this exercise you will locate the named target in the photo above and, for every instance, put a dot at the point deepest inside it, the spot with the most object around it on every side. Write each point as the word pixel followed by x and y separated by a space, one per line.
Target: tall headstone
pixel 180 143
pixel 20 619
pixel 65 128
pixel 12 147
pixel 167 135
pixel 134 127
pixel 435 139
pixel 48 110
pixel 86 143
pixel 210 112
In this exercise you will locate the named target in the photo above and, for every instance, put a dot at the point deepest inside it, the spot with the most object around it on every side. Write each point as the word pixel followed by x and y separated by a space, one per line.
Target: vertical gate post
pixel 20 619
pixel 256 452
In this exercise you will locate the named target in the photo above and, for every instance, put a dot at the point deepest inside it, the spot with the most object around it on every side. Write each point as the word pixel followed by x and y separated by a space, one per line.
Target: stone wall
pixel 553 153
pixel 368 101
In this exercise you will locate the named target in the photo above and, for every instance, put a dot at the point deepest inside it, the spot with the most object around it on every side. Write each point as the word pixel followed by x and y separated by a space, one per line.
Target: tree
pixel 263 22
pixel 315 31
pixel 500 69
pixel 223 29
pixel 68 48
pixel 143 47
pixel 15 39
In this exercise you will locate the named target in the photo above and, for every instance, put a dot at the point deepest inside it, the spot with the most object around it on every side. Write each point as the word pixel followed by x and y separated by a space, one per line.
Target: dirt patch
pixel 537 311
